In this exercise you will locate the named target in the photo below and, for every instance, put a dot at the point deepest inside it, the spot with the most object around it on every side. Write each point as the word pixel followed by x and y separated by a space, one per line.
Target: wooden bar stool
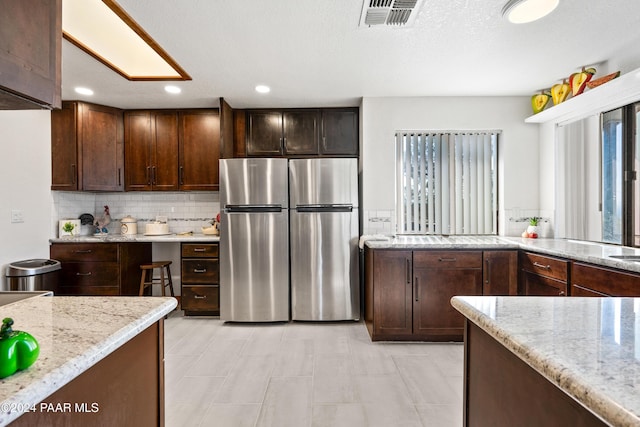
pixel 147 277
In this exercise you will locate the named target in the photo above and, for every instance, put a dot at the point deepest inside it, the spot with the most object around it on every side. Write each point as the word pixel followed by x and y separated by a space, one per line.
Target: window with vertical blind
pixel 447 182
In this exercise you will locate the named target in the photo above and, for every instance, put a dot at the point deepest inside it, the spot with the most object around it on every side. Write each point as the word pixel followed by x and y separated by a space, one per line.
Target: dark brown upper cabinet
pixel 339 132
pixel 30 54
pixel 87 148
pixel 302 132
pixel 151 147
pixel 199 138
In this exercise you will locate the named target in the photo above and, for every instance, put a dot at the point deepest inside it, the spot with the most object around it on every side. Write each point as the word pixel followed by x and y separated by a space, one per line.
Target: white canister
pixel 129 226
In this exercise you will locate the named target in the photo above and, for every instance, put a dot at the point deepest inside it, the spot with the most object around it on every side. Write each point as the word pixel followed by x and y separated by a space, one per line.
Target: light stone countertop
pixel 585 346
pixel 591 252
pixel 115 238
pixel 74 334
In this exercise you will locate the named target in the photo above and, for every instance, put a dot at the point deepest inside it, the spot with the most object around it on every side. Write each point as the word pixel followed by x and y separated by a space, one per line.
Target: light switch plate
pixel 16 216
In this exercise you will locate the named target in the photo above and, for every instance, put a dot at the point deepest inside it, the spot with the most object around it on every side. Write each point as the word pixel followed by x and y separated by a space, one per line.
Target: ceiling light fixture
pixel 263 89
pixel 105 31
pixel 523 11
pixel 172 89
pixel 83 91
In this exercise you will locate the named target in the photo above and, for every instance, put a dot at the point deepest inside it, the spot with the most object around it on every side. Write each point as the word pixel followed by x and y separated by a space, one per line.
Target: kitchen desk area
pixel 101 362
pixel 110 265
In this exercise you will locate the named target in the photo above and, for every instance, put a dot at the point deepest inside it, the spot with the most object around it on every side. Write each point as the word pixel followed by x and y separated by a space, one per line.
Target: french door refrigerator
pixel 254 240
pixel 323 202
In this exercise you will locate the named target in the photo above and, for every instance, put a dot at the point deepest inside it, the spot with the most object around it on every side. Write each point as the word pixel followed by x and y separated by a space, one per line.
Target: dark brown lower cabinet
pixel 502 390
pixel 589 280
pixel 438 276
pixel 124 389
pixel 408 293
pixel 100 268
pixel 500 272
pixel 200 284
pixel 542 275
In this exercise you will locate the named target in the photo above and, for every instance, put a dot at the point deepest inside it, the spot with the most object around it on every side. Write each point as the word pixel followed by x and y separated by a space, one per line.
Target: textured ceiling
pixel 312 52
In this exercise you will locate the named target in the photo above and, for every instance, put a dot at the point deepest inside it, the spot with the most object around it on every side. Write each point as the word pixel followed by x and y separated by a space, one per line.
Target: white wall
pixel 519 183
pixel 25 173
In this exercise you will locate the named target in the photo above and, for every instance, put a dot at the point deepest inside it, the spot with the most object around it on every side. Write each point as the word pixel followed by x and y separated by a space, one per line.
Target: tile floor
pixel 305 374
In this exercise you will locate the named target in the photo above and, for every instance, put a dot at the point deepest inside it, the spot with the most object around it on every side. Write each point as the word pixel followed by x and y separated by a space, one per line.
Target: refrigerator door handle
pixel 252 208
pixel 324 208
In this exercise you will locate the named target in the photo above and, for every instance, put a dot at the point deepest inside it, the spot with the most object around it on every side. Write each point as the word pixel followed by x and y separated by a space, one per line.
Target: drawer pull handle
pixel 545 267
pixel 199 270
pixel 83 274
pixel 561 293
pixel 82 251
pixel 199 249
pixel 416 288
pixel 447 259
pixel 200 296
pixel 488 271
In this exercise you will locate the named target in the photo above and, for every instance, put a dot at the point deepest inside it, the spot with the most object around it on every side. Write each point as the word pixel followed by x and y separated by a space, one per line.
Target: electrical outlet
pixel 16 216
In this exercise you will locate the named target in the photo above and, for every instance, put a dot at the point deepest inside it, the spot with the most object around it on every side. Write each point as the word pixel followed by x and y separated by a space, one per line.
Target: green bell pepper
pixel 18 349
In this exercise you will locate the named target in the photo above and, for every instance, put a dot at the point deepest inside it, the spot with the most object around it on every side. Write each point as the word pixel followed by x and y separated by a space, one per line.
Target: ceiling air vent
pixel 398 13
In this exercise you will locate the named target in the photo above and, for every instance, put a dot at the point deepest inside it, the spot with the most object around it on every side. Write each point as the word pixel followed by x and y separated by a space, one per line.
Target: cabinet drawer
pixel 205 250
pixel 604 281
pixel 89 274
pixel 555 268
pixel 200 298
pixel 447 259
pixel 200 271
pixel 84 252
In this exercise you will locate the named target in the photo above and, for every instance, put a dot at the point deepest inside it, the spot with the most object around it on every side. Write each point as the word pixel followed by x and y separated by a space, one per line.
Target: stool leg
pixel 170 281
pixel 162 280
pixel 142 280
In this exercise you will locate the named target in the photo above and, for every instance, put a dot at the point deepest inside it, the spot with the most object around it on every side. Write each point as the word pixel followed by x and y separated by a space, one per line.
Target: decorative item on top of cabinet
pixel 200 279
pixel 100 268
pixel 543 275
pixel 595 281
pixel 87 148
pixel 30 54
pixel 500 272
pixel 151 148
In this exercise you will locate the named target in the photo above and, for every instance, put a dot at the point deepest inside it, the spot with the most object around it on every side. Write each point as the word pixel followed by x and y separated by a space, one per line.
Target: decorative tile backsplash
pixel 378 222
pixel 185 211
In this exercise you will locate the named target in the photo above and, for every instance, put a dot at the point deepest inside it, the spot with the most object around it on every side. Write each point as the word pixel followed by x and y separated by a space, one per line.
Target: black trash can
pixel 33 275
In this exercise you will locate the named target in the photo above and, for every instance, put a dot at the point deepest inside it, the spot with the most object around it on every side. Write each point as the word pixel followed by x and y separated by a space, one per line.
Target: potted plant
pixel 532 229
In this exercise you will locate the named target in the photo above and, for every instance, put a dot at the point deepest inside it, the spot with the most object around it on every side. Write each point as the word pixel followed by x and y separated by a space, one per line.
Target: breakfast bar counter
pixel 551 361
pixel 98 357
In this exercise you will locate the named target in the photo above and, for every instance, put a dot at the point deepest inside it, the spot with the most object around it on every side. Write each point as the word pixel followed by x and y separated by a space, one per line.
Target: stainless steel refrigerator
pixel 323 201
pixel 254 240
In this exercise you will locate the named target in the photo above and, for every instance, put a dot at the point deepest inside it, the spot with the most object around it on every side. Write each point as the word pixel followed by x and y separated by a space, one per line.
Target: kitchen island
pixel 101 362
pixel 532 361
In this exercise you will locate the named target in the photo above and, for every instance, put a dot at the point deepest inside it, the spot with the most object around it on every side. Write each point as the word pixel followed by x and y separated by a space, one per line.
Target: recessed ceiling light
pixel 263 89
pixel 523 11
pixel 84 91
pixel 172 89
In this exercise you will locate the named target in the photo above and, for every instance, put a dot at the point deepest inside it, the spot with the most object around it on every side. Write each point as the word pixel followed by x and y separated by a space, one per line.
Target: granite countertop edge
pixel 38 390
pixel 119 238
pixel 589 252
pixel 596 402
